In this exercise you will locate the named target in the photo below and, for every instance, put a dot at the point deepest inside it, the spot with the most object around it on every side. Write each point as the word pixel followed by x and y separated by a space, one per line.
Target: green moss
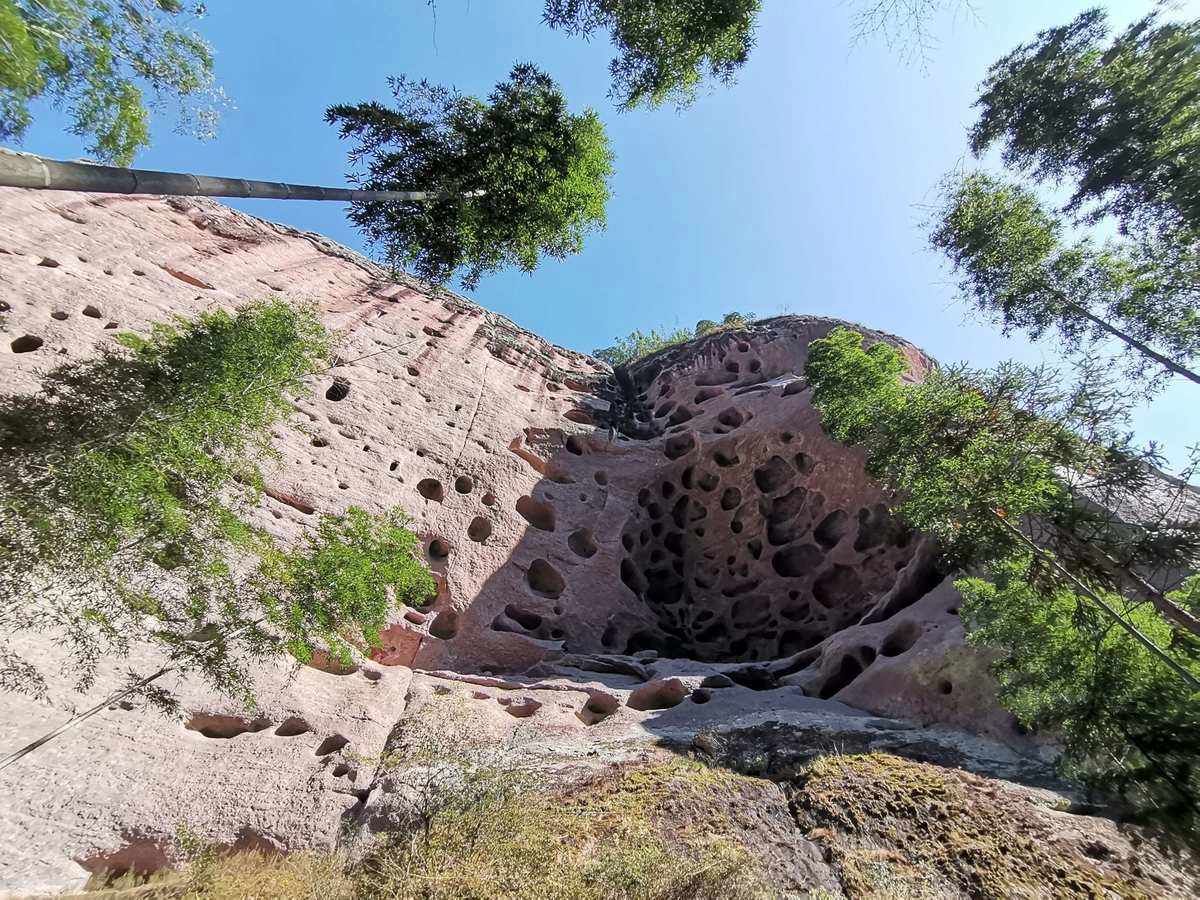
pixel 901 823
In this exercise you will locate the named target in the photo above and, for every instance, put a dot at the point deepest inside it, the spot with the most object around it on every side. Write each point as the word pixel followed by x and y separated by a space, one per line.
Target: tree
pixel 1015 265
pixel 28 170
pixel 1037 490
pixel 904 25
pixel 123 499
pixel 970 452
pixel 544 172
pixel 1129 726
pixel 666 48
pixel 94 57
pixel 1122 121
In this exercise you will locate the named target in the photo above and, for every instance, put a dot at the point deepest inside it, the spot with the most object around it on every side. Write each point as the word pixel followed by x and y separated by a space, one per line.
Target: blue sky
pixel 800 189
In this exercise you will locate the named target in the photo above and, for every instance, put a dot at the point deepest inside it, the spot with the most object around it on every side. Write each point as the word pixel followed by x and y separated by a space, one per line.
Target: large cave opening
pixel 740 556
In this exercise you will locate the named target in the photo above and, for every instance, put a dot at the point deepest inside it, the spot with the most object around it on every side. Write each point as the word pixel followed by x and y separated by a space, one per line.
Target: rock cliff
pixel 670 558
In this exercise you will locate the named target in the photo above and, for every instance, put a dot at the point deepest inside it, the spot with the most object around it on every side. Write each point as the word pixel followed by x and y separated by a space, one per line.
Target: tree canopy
pixel 1129 726
pixel 1119 124
pixel 666 49
pixel 543 170
pixel 95 58
pixel 1016 265
pixel 1121 120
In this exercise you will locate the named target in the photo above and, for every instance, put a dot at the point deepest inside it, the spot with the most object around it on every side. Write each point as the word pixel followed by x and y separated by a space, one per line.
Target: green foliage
pixel 737 320
pixel 1121 120
pixel 94 57
pixel 123 496
pixel 544 172
pixel 666 47
pixel 1128 724
pixel 967 452
pixel 1016 266
pixel 953 448
pixel 349 571
pixel 639 344
pixel 964 445
pixel 1120 123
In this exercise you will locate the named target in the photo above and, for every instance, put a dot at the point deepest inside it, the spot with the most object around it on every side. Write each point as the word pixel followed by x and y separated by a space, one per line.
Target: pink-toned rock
pixel 643 558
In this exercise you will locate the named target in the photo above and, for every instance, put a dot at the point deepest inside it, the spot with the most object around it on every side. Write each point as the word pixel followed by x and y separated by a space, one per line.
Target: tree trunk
pixel 1165 361
pixel 28 170
pixel 1116 617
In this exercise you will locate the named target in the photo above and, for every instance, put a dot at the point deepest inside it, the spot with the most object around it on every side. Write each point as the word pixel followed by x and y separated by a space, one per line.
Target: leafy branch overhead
pixel 95 58
pixel 543 170
pixel 666 49
pixel 1120 120
pixel 1016 266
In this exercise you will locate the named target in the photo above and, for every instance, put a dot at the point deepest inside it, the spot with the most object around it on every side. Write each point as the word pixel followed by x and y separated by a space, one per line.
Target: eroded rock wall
pixel 621 560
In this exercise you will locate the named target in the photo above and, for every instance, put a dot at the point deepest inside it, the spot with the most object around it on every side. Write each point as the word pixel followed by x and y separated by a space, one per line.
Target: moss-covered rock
pixel 895 827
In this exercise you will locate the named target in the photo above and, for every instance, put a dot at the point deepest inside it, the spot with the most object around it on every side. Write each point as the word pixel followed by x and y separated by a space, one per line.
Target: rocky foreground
pixel 633 567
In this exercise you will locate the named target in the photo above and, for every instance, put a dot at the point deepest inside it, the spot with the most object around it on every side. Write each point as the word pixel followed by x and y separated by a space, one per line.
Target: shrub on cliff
pixel 638 344
pixel 543 171
pixel 1036 490
pixel 123 500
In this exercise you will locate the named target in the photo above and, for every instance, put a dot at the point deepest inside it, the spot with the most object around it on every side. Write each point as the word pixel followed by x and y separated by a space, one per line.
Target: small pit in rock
pixel 339 390
pixel 431 489
pixel 539 515
pixel 544 579
pixel 582 543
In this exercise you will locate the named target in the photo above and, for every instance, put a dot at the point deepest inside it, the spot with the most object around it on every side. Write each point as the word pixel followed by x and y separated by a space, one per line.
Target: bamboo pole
pixel 28 170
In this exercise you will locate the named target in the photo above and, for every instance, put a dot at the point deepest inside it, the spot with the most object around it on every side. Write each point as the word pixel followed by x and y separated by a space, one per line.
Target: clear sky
pixel 800 189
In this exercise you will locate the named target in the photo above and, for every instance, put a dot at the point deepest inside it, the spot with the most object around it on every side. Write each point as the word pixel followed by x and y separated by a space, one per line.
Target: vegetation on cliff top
pixel 639 344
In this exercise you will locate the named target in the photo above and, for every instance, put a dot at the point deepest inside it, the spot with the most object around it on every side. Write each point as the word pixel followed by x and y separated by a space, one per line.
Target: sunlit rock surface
pixel 672 556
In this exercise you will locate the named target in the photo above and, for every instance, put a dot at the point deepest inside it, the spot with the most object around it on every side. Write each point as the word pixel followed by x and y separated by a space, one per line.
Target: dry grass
pixel 605 839
pixel 242 876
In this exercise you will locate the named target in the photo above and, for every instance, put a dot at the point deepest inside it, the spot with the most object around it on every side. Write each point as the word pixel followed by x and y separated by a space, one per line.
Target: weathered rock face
pixel 660 556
